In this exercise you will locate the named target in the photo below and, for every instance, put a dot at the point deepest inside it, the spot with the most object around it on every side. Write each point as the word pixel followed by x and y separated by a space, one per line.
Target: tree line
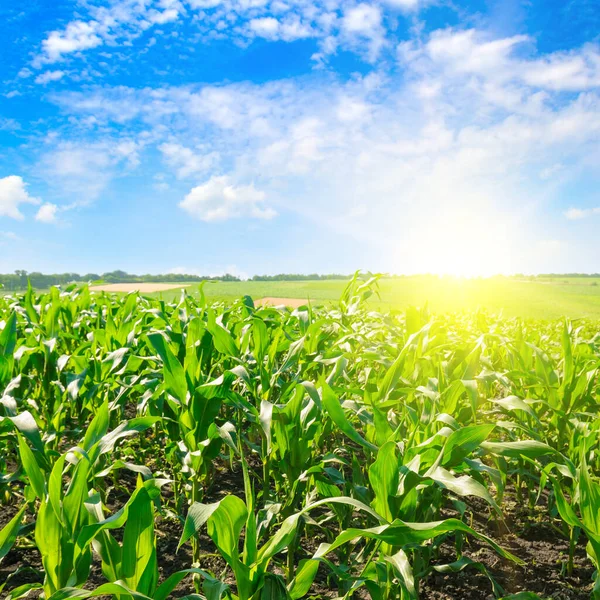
pixel 20 278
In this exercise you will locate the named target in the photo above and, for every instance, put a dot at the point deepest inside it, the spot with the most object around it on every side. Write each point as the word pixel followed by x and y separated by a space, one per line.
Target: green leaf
pixel 197 516
pixel 225 526
pixel 514 403
pixel 383 476
pixel 97 428
pixel 125 429
pixel 401 533
pixel 8 336
pixel 464 441
pixel 173 372
pixel 9 533
pixel 335 411
pixel 463 485
pixel 118 589
pixel 35 474
pixel 222 339
pixel 402 565
pixel 305 575
pixel 139 569
pixel 528 448
pixel 274 588
pixel 215 586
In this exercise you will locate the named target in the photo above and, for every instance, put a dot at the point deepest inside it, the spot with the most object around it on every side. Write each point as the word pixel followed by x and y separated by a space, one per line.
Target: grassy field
pixel 544 299
pixel 541 298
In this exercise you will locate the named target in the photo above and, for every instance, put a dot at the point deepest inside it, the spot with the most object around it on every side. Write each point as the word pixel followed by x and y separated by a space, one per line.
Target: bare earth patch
pixel 137 287
pixel 291 302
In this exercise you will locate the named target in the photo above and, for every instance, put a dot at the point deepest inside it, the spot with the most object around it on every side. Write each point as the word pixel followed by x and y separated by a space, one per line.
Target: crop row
pixel 315 453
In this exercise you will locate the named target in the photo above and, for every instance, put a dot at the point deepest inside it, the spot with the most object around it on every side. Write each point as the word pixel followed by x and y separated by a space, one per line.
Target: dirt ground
pixel 526 533
pixel 137 287
pixel 291 302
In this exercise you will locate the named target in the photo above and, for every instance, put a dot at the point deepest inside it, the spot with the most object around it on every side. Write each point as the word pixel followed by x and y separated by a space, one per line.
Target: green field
pixel 537 298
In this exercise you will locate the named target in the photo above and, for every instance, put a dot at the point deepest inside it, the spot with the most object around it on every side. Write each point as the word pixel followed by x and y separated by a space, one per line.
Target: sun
pixel 464 246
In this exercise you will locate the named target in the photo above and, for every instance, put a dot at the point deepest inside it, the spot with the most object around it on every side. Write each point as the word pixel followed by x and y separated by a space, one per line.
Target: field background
pixel 543 298
pixel 533 297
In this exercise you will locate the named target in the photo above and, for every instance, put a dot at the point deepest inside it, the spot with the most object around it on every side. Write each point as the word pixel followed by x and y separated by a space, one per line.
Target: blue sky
pixel 265 136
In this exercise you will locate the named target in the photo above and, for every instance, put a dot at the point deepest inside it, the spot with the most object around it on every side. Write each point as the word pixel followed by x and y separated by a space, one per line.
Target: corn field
pixel 187 450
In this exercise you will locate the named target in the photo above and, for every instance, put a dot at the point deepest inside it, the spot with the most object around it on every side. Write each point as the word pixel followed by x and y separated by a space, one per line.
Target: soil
pixel 290 302
pixel 528 534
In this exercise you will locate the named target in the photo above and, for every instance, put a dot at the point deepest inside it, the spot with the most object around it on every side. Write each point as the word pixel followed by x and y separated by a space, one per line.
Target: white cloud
pixel 407 5
pixel 364 22
pixel 574 214
pixel 496 61
pixel 167 12
pixel 289 29
pixel 120 22
pixel 219 200
pixel 77 36
pixel 84 169
pixel 575 70
pixel 187 162
pixel 266 27
pixel 334 23
pixel 160 184
pixel 13 193
pixel 77 160
pixel 461 136
pixel 49 76
pixel 351 110
pixel 9 124
pixel 47 213
pixel 362 19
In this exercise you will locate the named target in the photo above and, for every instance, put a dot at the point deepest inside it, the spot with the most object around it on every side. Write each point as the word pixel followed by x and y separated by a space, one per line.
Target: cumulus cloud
pixel 49 76
pixel 84 169
pixel 291 28
pixel 77 36
pixel 574 214
pixel 362 19
pixel 13 193
pixel 266 27
pixel 408 5
pixel 186 162
pixel 334 23
pixel 121 21
pixel 219 200
pixel 465 135
pixel 497 62
pixel 47 213
pixel 364 22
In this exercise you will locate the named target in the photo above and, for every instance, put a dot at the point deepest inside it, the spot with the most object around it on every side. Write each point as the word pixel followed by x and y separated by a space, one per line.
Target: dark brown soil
pixel 527 534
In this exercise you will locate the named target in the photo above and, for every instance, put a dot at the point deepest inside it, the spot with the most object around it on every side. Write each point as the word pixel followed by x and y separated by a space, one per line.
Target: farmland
pixel 541 298
pixel 198 445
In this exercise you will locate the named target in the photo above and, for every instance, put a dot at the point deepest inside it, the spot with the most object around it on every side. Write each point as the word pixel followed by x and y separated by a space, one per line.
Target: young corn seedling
pixel 60 518
pixel 131 567
pixel 587 500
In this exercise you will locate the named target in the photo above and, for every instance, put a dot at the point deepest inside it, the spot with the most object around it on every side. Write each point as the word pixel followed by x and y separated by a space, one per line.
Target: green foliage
pixel 266 429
